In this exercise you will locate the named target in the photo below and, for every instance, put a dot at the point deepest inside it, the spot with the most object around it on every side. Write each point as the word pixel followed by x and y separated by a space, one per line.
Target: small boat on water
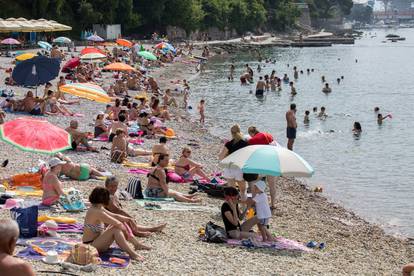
pixel 392 36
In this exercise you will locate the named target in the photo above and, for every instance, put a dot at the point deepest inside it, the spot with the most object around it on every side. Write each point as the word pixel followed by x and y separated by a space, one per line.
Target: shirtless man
pixel 10 265
pixel 79 137
pixel 120 144
pixel 260 87
pixel 292 88
pixel 80 171
pixel 291 126
pixel 114 206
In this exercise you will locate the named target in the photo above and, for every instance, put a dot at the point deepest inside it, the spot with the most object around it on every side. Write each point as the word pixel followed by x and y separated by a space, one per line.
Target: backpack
pixel 215 233
pixel 134 188
pixel 212 189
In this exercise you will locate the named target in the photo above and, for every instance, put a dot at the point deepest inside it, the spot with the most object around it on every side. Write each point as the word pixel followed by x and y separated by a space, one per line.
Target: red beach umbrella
pixel 34 135
pixel 72 63
pixel 91 50
pixel 124 42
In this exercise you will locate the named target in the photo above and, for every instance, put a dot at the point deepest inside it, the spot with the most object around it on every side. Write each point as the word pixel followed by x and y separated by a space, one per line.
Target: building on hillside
pixel 107 32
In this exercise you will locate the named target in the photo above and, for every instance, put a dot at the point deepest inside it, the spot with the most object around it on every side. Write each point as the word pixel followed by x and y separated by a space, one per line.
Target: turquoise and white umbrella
pixel 268 160
pixel 44 45
pixel 62 40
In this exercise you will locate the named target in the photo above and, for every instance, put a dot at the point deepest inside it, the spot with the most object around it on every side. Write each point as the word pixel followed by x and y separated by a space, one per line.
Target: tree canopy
pixel 145 16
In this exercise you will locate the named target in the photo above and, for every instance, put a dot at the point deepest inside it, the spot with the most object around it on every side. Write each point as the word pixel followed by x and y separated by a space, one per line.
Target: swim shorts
pixel 36 111
pixel 84 171
pixel 153 192
pixel 264 222
pixel 259 92
pixel 291 133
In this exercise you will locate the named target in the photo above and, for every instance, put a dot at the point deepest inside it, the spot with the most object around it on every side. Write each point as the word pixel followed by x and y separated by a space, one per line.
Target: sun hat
pixel 49 227
pixel 261 185
pixel 12 203
pixel 55 161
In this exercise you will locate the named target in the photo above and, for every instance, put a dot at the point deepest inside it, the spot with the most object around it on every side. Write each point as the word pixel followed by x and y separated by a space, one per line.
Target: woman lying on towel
pixel 187 168
pixel 96 234
pixel 158 183
pixel 80 171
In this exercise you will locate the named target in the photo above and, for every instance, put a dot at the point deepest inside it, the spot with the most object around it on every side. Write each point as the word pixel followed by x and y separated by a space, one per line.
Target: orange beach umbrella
pixel 118 66
pixel 124 42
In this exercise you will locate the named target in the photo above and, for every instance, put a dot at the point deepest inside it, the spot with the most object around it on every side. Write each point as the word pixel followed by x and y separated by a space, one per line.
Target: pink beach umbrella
pixel 10 41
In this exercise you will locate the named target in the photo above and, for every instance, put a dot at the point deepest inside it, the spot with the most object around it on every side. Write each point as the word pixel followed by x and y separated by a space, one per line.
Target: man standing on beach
pixel 291 126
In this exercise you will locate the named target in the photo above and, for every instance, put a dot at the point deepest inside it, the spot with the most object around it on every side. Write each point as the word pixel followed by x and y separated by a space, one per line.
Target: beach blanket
pixel 173 206
pixel 24 193
pixel 281 243
pixel 62 247
pixel 136 141
pixel 67 227
pixel 102 138
pixel 172 176
pixel 142 165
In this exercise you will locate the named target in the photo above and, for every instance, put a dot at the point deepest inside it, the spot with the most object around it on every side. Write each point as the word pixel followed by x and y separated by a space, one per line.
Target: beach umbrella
pixel 147 55
pixel 92 56
pixel 25 56
pixel 124 42
pixel 70 64
pixel 95 38
pixel 45 45
pixel 57 27
pixel 34 135
pixel 10 41
pixel 268 160
pixel 91 50
pixel 62 40
pixel 36 71
pixel 88 91
pixel 119 66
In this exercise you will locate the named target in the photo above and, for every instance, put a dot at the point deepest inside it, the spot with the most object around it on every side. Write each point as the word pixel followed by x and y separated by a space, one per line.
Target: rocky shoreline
pixel 353 246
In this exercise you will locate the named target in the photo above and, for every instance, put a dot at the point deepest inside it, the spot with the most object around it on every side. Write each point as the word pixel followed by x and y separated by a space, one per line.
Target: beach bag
pixel 212 189
pixel 72 201
pixel 84 254
pixel 134 188
pixel 118 157
pixel 215 233
pixel 26 218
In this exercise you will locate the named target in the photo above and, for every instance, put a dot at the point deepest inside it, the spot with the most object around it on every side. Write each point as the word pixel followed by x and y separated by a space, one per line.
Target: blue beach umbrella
pixel 45 45
pixel 95 38
pixel 36 71
pixel 62 40
pixel 268 160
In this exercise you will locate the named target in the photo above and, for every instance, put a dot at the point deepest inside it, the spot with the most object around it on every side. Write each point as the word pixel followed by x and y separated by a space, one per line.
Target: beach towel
pixel 34 248
pixel 102 138
pixel 27 179
pixel 172 176
pixel 141 165
pixel 25 193
pixel 281 243
pixel 136 141
pixel 67 220
pixel 67 227
pixel 161 205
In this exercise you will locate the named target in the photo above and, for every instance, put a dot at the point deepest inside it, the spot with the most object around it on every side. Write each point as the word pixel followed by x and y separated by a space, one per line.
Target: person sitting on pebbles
pixel 81 171
pixel 10 265
pixel 187 168
pixel 96 234
pixel 122 148
pixel 114 206
pixel 79 137
pixel 158 183
pixel 51 185
pixel 158 149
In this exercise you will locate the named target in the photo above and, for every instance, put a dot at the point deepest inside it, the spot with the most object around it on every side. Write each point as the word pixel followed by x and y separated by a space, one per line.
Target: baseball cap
pixel 261 185
pixel 55 161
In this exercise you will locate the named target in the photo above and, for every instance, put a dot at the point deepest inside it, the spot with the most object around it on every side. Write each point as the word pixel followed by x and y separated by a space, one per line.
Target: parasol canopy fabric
pixel 88 91
pixel 45 45
pixel 10 41
pixel 35 71
pixel 147 55
pixel 70 64
pixel 62 40
pixel 124 42
pixel 34 135
pixel 91 56
pixel 95 38
pixel 25 56
pixel 89 50
pixel 119 66
pixel 268 160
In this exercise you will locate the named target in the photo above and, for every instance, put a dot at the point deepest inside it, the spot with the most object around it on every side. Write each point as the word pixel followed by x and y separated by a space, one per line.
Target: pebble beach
pixel 353 246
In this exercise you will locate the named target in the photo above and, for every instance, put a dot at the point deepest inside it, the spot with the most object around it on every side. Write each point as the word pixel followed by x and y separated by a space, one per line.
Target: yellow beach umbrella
pixel 88 91
pixel 25 56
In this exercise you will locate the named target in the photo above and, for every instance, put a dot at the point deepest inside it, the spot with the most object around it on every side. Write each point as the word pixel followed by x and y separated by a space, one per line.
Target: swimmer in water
pixel 308 71
pixel 312 70
pixel 357 128
pixel 259 69
pixel 326 89
pixel 295 72
pixel 338 80
pixel 322 115
pixel 292 89
pixel 376 109
pixel 315 110
pixel 306 118
pixel 232 68
pixel 381 118
pixel 285 78
pixel 301 72
pixel 323 79
pixel 342 77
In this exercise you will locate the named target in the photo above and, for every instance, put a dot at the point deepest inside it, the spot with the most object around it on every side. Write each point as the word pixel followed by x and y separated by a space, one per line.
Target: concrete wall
pixel 108 32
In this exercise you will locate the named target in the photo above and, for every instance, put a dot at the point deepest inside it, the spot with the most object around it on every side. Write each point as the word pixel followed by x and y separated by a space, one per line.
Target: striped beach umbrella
pixel 34 135
pixel 88 91
pixel 268 160
pixel 92 56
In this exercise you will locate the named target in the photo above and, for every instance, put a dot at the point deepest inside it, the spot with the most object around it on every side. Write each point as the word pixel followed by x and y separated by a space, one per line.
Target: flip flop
pixel 5 163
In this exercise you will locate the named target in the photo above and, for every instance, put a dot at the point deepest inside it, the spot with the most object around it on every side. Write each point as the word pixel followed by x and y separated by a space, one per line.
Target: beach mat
pixel 142 165
pixel 67 227
pixel 173 206
pixel 281 243
pixel 63 247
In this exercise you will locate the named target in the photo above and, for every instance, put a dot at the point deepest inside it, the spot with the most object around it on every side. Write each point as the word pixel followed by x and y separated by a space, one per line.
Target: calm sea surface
pixel 372 175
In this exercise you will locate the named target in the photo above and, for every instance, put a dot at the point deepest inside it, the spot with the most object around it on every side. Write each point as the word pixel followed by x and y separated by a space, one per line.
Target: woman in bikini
pixel 158 183
pixel 158 112
pixel 100 127
pixel 96 234
pixel 52 187
pixel 187 168
pixel 81 171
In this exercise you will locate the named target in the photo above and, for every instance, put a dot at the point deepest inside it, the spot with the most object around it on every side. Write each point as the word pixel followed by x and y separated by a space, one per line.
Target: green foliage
pixel 146 16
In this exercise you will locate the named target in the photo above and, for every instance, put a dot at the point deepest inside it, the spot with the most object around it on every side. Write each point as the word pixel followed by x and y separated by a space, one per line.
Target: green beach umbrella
pixel 147 55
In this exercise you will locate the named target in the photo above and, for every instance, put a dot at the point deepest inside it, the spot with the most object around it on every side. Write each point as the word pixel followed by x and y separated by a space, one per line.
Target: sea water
pixel 372 174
